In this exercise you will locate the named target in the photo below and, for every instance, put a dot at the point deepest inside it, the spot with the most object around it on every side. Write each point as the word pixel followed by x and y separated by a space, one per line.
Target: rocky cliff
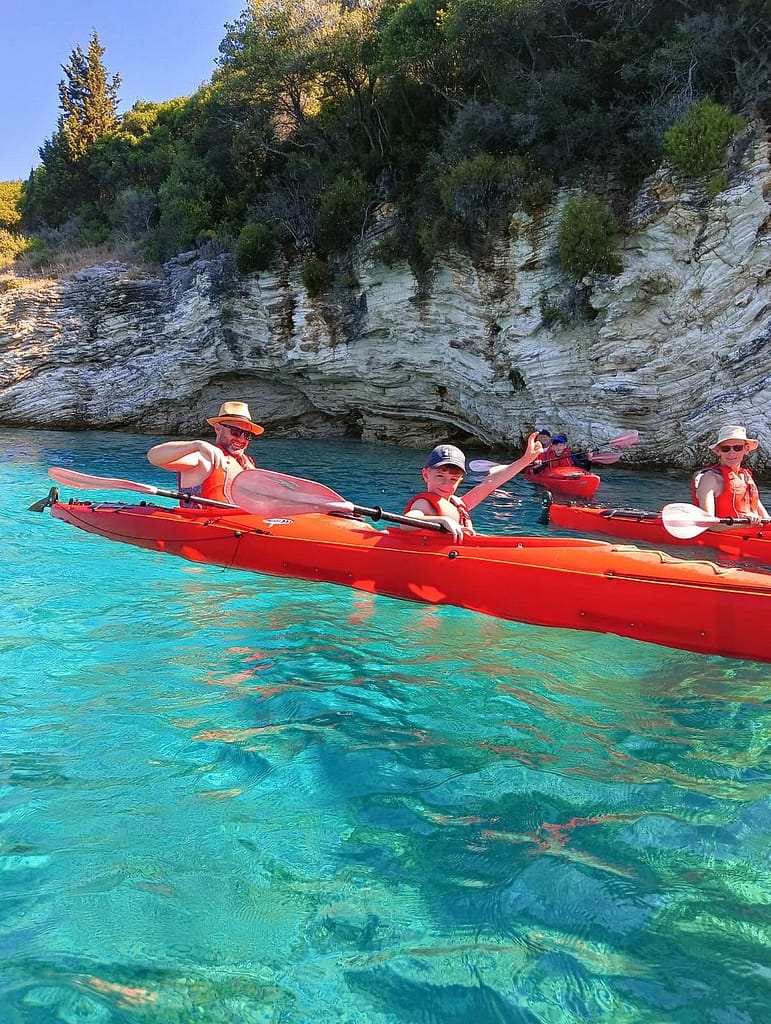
pixel 676 344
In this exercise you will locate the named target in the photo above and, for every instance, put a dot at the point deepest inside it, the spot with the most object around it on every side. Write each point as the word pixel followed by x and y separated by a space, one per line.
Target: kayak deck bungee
pixel 568 480
pixel 636 525
pixel 545 581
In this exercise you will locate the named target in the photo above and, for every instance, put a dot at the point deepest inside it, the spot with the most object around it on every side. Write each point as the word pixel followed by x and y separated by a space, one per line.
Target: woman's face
pixel 731 452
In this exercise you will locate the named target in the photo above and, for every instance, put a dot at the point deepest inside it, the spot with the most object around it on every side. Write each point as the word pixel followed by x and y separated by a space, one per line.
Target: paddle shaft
pixel 377 513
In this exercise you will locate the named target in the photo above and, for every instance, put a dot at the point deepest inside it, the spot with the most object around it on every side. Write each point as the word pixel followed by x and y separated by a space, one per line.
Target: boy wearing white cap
pixel 727 489
pixel 442 474
pixel 208 469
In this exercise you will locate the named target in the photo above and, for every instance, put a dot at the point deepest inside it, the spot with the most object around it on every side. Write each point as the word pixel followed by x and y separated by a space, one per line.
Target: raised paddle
pixel 685 521
pixel 263 492
pixel 111 483
pixel 626 440
pixel 486 465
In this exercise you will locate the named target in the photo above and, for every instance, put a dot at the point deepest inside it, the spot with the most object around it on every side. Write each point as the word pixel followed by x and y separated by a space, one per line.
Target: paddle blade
pixel 262 491
pixel 605 458
pixel 686 521
pixel 50 499
pixel 482 465
pixel 626 440
pixel 73 479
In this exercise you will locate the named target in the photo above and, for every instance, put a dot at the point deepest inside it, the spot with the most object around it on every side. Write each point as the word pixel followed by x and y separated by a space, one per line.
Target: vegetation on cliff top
pixel 446 114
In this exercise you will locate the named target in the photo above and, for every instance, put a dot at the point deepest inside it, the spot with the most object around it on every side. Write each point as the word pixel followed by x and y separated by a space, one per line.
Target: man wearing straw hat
pixel 727 489
pixel 207 468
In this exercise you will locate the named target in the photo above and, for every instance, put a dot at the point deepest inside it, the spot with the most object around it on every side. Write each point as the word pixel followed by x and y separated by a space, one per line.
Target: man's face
pixel 232 438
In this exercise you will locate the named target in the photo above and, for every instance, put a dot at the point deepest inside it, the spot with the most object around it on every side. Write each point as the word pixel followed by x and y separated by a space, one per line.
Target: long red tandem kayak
pixel 630 524
pixel 546 581
pixel 571 481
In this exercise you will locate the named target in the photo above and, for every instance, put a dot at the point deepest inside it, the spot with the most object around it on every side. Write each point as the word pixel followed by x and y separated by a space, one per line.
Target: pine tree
pixel 88 99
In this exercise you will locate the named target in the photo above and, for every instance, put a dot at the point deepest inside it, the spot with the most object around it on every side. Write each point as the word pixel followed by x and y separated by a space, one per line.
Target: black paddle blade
pixel 51 497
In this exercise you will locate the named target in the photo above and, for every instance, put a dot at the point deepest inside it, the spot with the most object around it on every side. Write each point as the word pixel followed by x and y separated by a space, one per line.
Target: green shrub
pixel 696 145
pixel 587 237
pixel 11 245
pixel 315 276
pixel 717 183
pixel 478 191
pixel 254 248
pixel 39 254
pixel 342 211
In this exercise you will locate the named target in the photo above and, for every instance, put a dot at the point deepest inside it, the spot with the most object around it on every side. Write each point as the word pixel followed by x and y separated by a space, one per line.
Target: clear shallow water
pixel 232 798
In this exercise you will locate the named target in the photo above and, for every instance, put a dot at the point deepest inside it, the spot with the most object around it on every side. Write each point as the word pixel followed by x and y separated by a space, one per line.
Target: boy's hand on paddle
pixel 454 528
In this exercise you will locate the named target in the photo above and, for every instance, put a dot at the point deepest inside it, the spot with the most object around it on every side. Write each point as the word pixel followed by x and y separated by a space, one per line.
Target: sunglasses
pixel 237 431
pixel 731 447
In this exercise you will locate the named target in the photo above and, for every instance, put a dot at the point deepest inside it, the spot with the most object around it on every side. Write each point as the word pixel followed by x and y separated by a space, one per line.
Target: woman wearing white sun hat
pixel 207 468
pixel 728 489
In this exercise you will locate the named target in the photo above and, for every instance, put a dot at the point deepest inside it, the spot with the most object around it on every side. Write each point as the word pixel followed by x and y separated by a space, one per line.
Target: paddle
pixel 686 521
pixel 485 465
pixel 261 491
pixel 73 479
pixel 626 440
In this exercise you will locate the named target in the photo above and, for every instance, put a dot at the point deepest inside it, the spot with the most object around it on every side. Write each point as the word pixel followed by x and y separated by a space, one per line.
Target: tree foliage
pixel 88 98
pixel 10 196
pixel 449 112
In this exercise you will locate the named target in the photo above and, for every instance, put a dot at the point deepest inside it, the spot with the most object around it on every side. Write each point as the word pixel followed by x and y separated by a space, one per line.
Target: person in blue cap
pixel 559 454
pixel 442 474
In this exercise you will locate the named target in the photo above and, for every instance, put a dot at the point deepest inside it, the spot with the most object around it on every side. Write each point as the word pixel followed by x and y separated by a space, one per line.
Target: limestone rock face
pixel 675 345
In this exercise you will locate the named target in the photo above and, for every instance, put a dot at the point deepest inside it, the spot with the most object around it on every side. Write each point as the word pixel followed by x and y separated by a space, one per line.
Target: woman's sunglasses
pixel 731 447
pixel 237 431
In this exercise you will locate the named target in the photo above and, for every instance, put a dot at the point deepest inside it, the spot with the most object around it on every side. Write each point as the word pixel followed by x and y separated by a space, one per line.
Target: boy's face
pixel 442 480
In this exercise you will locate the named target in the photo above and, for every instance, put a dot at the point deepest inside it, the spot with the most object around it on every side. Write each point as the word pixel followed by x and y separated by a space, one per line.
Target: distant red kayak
pixel 632 524
pixel 571 481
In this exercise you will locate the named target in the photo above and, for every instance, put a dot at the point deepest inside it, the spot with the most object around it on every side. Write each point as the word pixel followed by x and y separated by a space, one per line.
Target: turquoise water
pixel 233 798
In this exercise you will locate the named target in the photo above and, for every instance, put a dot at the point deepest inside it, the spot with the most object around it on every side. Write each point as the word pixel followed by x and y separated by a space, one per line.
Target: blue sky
pixel 160 48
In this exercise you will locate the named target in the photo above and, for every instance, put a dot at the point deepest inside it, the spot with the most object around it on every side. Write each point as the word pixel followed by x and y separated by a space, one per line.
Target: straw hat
pixel 731 432
pixel 238 414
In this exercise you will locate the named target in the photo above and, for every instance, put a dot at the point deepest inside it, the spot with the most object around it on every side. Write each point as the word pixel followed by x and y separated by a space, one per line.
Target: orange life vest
pixel 218 483
pixel 739 495
pixel 463 513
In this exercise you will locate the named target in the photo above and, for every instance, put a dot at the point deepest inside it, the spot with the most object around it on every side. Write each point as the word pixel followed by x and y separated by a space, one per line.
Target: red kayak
pixel 632 524
pixel 546 581
pixel 571 481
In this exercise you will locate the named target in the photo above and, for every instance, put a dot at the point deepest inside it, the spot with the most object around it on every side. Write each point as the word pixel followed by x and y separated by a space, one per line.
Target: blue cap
pixel 446 455
pixel 559 439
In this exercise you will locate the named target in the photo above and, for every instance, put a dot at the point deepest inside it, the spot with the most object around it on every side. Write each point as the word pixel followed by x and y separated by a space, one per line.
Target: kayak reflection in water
pixel 207 469
pixel 728 489
pixel 442 474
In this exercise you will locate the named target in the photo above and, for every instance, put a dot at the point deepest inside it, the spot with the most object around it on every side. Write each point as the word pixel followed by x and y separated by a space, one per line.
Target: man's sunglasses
pixel 731 447
pixel 237 431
